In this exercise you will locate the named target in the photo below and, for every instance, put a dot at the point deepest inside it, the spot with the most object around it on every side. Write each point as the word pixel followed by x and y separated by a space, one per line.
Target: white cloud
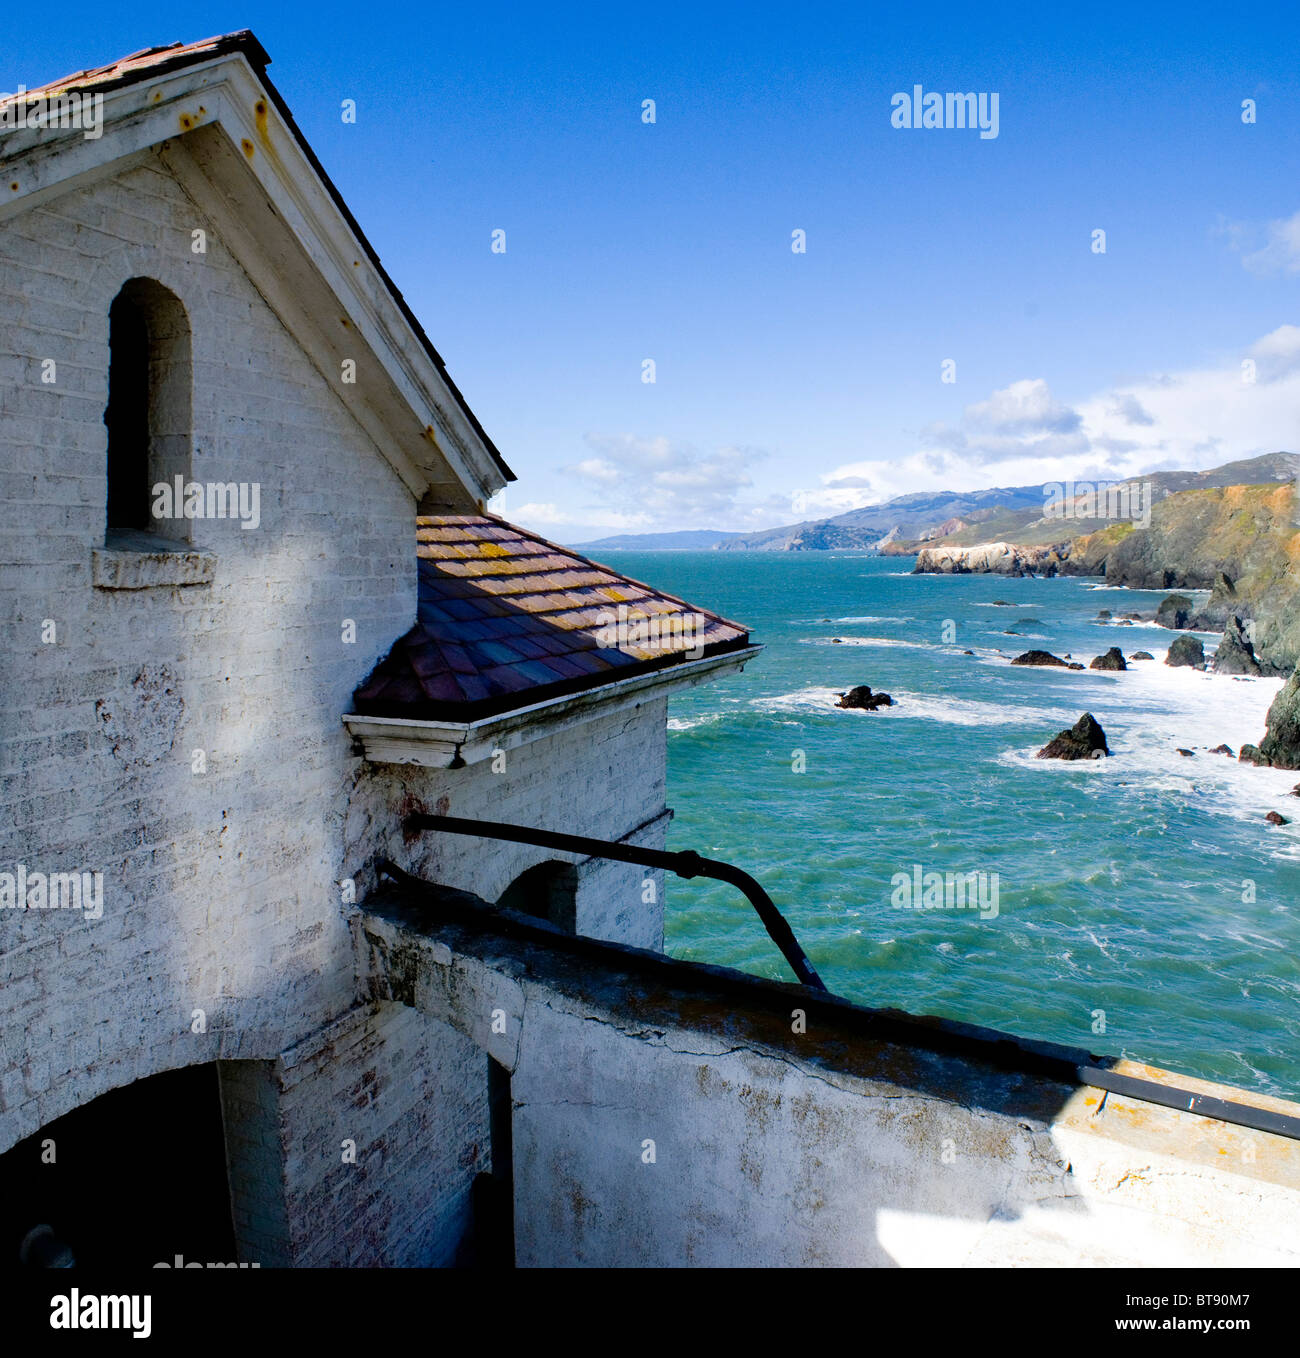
pixel 1127 407
pixel 597 469
pixel 1281 254
pixel 531 515
pixel 658 482
pixel 1277 354
pixel 1025 407
pixel 1188 420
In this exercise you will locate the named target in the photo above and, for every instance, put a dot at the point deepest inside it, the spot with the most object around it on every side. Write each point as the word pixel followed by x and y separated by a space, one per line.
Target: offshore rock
pixel 1236 653
pixel 1084 740
pixel 1175 611
pixel 862 697
pixel 1112 660
pixel 1039 658
pixel 1280 748
pixel 1186 651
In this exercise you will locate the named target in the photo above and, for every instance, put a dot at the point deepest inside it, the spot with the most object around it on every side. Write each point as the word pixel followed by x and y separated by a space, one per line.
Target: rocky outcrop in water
pixel 1040 658
pixel 1141 655
pixel 1186 651
pixel 863 699
pixel 1235 653
pixel 1280 748
pixel 1175 611
pixel 1084 740
pixel 1112 660
pixel 1223 603
pixel 989 558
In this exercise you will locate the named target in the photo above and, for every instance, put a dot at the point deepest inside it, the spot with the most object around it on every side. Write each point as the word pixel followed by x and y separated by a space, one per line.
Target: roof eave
pixel 440 744
pixel 153 105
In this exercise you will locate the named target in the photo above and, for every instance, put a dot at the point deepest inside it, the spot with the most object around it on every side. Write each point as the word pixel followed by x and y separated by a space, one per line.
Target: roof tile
pixel 503 614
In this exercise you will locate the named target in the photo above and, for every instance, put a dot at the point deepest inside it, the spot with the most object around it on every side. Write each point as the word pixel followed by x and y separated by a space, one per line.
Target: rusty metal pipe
pixel 686 863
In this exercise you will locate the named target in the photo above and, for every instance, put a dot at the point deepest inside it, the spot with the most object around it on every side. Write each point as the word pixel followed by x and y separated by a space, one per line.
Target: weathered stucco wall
pixel 605 778
pixel 669 1115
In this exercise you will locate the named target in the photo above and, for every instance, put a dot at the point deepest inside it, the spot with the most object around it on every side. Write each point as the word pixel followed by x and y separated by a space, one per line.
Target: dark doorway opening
pixel 491 1242
pixel 132 1179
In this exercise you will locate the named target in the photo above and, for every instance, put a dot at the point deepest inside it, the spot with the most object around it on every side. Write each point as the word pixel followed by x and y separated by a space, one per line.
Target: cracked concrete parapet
pixel 665 1114
pixel 466 993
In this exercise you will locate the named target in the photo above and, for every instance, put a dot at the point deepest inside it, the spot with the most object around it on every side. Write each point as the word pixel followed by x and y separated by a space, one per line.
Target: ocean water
pixel 1147 886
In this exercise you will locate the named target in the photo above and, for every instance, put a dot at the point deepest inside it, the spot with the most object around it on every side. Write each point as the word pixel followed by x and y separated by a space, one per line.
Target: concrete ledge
pixel 137 563
pixel 791 1128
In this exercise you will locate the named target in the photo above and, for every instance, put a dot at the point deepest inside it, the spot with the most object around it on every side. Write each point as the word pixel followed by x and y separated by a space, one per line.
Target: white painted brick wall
pixel 220 888
pixel 411 1094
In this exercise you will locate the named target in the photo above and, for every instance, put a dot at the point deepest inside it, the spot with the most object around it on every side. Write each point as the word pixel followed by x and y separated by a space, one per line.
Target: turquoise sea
pixel 1147 885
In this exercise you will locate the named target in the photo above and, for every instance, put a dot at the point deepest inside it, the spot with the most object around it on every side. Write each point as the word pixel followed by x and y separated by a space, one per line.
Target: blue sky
pixel 792 385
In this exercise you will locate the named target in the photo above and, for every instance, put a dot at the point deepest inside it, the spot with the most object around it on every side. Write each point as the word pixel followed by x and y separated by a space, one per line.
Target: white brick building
pixel 185 296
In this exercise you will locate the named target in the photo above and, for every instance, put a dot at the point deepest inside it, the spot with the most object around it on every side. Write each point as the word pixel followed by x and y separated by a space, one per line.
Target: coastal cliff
pixel 991 558
pixel 1240 542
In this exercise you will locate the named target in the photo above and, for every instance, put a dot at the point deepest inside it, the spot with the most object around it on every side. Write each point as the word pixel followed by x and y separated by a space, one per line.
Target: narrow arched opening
pixel 149 411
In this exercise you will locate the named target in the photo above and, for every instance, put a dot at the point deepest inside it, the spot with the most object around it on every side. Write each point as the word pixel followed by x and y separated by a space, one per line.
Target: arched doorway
pixel 131 1179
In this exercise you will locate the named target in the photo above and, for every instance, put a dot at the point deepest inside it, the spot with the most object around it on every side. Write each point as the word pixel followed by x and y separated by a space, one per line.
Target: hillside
pixel 1241 542
pixel 906 517
pixel 1012 514
pixel 1249 534
pixel 687 540
pixel 1033 528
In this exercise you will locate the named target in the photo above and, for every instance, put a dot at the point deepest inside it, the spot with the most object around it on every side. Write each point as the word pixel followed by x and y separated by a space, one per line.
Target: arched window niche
pixel 546 891
pixel 149 412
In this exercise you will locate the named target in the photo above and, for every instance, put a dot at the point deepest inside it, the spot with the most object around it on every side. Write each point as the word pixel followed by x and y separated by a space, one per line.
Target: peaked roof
pixel 152 62
pixel 506 618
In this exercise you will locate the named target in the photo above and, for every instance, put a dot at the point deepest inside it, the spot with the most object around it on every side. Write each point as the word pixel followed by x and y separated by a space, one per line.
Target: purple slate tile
pixel 474 687
pixel 442 688
pixel 458 659
pixel 539 671
pixel 501 611
pixel 426 659
pixel 506 679
pixel 499 652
